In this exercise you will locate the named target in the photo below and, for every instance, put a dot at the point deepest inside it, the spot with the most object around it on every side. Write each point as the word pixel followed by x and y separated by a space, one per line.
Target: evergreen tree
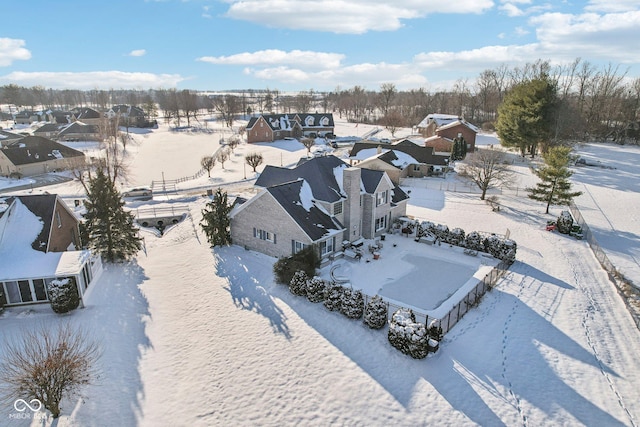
pixel 554 187
pixel 526 116
pixel 407 335
pixel 352 304
pixel 315 289
pixel 298 284
pixel 333 297
pixel 375 313
pixel 458 149
pixel 107 228
pixel 63 295
pixel 215 220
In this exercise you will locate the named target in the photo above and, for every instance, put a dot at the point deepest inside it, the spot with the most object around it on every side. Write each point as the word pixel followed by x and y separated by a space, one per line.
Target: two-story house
pixel 273 127
pixel 40 242
pixel 449 127
pixel 321 202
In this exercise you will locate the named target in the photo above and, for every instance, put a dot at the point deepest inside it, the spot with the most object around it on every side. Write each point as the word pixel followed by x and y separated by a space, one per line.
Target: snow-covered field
pixel 194 336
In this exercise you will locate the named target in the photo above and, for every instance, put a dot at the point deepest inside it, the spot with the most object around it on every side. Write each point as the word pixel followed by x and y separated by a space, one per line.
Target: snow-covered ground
pixel 194 336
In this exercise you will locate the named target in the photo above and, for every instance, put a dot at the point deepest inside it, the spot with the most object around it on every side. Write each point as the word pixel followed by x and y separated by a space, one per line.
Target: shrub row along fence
pixel 630 294
pixel 449 320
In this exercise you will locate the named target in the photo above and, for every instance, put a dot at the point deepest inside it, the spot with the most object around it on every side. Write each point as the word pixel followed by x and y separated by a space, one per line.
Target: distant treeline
pixel 594 103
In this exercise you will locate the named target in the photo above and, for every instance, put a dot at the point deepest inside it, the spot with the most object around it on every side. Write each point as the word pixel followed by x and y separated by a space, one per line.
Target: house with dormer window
pixel 39 243
pixel 321 202
pixel 273 127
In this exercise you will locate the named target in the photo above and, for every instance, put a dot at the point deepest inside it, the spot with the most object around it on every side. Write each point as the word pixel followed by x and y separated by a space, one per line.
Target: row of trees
pixel 593 102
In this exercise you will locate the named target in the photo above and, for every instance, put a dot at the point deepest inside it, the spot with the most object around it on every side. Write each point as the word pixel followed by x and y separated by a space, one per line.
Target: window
pixel 416 167
pixel 337 208
pixel 297 246
pixel 58 219
pixel 381 223
pixel 326 247
pixel 40 291
pixel 264 235
pixel 381 198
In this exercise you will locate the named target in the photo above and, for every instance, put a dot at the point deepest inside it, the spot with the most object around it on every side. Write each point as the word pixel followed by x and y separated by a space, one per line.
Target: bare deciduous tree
pixel 207 163
pixel 487 169
pixel 233 142
pixel 223 156
pixel 48 364
pixel 308 143
pixel 254 160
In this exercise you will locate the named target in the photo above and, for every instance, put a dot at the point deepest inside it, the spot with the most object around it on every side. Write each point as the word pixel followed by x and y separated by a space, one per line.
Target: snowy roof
pixel 35 149
pixel 18 259
pixel 296 198
pixel 443 120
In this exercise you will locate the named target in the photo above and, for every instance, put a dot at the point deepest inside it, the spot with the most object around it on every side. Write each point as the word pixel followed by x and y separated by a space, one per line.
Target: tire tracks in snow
pixel 588 315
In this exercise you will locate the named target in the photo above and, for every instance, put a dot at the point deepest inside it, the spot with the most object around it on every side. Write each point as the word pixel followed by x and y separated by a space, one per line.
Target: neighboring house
pixel 49 130
pixel 273 127
pixel 26 117
pixel 441 146
pixel 449 126
pixel 39 242
pixel 7 138
pixel 399 160
pixel 321 202
pixel 130 115
pixel 79 131
pixel 34 155
pixel 86 115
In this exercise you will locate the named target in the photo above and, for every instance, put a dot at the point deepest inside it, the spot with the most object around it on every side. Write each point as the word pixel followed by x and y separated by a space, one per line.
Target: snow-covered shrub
pixel 352 304
pixel 307 259
pixel 508 251
pixel 333 296
pixel 316 289
pixel 442 232
pixel 408 336
pixel 63 295
pixel 564 222
pixel 456 237
pixel 298 284
pixel 375 313
pixel 473 241
pixel 435 330
pixel 492 245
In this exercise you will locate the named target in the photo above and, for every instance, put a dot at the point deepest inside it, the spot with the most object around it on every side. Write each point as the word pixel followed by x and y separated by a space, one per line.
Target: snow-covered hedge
pixel 316 289
pixel 375 313
pixel 503 249
pixel 333 297
pixel 352 304
pixel 407 335
pixel 298 284
pixel 63 295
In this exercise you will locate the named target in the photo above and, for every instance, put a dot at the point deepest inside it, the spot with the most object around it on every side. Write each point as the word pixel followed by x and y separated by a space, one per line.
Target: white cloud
pixel 12 50
pixel 485 57
pixel 138 52
pixel 92 80
pixel 304 58
pixel 371 76
pixel 609 6
pixel 511 10
pixel 611 37
pixel 345 16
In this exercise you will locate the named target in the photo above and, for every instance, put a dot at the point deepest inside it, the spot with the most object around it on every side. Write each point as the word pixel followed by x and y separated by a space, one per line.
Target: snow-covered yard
pixel 194 336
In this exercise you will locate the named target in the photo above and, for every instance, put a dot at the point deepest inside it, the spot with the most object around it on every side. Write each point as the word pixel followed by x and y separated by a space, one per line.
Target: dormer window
pixel 309 121
pixel 324 121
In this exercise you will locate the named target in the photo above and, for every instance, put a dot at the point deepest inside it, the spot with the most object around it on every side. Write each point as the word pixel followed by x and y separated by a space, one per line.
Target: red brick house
pixel 449 126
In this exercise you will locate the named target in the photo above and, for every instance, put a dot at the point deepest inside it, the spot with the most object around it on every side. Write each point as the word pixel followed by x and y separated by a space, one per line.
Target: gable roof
pixel 7 137
pixel 319 172
pixel 36 149
pixel 289 121
pixel 128 110
pixel 399 153
pixel 42 206
pixel 442 120
pixel 317 120
pixel 86 113
pixel 79 127
pixel 49 127
pixel 297 200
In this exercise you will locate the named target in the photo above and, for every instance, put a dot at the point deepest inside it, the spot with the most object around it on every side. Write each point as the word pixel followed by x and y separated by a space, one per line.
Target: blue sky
pixel 293 45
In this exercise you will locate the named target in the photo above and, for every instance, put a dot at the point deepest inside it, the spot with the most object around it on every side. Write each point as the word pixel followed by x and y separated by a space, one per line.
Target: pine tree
pixel 526 116
pixel 352 304
pixel 107 228
pixel 333 297
pixel 554 187
pixel 315 289
pixel 407 335
pixel 215 220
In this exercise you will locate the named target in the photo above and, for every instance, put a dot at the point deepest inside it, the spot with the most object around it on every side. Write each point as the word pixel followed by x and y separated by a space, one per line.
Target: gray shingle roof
pixel 315 222
pixel 36 149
